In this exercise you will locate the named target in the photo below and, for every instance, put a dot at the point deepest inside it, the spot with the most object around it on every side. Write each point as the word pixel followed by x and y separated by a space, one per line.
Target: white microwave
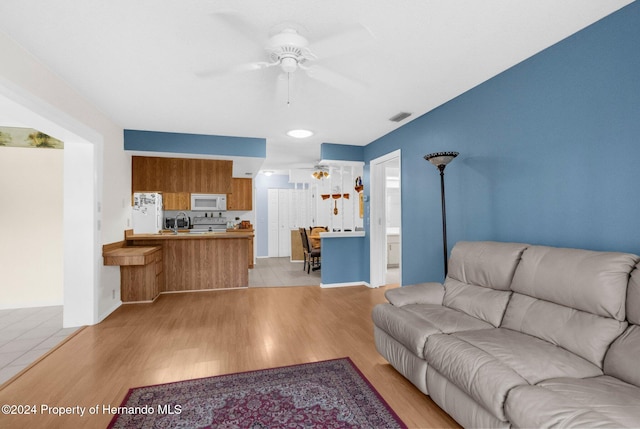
pixel 208 202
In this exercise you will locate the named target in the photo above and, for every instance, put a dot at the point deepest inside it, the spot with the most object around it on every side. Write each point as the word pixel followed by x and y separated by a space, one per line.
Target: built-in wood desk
pixel 140 271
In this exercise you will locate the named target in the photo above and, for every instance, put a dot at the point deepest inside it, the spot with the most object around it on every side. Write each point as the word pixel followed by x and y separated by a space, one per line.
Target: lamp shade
pixel 440 158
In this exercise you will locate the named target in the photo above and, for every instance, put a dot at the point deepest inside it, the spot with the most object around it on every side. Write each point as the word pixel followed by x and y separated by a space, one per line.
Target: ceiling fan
pixel 320 172
pixel 291 51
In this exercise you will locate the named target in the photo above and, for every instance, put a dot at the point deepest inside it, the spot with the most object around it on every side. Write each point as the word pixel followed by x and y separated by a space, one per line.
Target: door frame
pixel 377 224
pixel 82 184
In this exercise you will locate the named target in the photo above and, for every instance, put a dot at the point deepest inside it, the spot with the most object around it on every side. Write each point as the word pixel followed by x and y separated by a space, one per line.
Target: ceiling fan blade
pixel 239 25
pixel 239 68
pixel 336 80
pixel 343 43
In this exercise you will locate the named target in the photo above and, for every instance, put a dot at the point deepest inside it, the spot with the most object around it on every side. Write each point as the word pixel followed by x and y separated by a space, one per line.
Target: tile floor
pixel 279 272
pixel 26 334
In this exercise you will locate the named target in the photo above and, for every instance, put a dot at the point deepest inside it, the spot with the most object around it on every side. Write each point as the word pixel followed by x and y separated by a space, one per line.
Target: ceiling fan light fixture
pixel 299 134
pixel 320 174
pixel 289 64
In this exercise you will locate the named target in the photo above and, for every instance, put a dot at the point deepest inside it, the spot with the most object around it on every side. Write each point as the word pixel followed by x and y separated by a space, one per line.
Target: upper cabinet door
pixel 146 175
pixel 209 176
pixel 242 196
pixel 181 175
pixel 176 200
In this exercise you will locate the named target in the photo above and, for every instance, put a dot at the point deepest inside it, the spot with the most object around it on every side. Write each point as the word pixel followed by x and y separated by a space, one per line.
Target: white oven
pixel 208 202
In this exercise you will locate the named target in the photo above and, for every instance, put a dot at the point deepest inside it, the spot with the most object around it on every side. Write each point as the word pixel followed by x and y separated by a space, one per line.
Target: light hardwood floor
pixel 200 334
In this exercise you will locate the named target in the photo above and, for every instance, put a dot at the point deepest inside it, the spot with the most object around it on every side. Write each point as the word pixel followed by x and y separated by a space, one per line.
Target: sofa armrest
pixel 422 293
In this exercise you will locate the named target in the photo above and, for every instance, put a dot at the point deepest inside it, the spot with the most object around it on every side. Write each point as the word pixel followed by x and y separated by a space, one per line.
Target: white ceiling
pixel 138 60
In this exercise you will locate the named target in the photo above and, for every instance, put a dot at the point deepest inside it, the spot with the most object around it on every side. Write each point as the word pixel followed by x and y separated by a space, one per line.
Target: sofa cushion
pixel 446 319
pixel 621 360
pixel 412 325
pixel 595 282
pixel 582 333
pixel 475 372
pixel 572 402
pixel 633 297
pixel 487 364
pixel 422 293
pixel 488 264
pixel 480 302
pixel 479 277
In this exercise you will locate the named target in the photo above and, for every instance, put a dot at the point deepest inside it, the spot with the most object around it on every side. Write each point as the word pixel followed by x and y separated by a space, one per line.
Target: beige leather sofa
pixel 523 336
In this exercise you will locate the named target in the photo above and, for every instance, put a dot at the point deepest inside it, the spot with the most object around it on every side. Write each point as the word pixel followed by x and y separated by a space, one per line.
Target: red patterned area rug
pixel 327 394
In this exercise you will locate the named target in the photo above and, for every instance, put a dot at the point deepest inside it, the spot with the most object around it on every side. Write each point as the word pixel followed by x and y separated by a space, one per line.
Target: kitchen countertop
pixel 133 255
pixel 346 234
pixel 186 235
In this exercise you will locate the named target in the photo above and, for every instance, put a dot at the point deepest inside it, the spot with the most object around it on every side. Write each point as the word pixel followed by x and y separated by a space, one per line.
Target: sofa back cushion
pixel 479 278
pixel 621 360
pixel 633 297
pixel 572 298
pixel 582 333
pixel 595 282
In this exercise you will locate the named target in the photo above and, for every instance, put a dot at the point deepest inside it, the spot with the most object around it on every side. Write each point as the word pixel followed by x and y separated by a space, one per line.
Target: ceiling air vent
pixel 400 117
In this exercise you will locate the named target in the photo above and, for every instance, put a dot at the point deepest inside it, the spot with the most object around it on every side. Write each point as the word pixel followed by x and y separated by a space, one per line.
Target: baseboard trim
pixel 106 314
pixel 348 284
pixel 168 292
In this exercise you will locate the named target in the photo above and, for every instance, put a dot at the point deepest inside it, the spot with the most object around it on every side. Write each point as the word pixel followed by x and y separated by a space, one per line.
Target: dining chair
pixel 311 255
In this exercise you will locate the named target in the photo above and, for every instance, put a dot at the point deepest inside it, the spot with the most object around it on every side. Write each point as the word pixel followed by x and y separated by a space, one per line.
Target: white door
pixel 378 220
pixel 273 222
pixel 279 228
pixel 284 232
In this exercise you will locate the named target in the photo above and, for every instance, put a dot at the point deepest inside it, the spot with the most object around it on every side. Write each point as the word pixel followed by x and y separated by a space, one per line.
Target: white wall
pixel 31 219
pixel 63 113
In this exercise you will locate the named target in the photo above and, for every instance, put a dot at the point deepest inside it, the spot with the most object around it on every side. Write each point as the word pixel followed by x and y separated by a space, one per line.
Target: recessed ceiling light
pixel 300 134
pixel 267 172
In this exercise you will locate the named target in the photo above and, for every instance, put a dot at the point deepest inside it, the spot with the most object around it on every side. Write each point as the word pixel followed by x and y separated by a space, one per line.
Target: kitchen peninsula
pixel 203 261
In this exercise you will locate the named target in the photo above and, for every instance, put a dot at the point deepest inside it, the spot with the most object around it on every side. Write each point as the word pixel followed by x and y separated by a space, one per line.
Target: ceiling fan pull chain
pixel 288 90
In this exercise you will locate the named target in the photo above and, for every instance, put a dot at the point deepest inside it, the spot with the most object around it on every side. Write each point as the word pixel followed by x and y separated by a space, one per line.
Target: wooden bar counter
pixel 217 260
pixel 140 271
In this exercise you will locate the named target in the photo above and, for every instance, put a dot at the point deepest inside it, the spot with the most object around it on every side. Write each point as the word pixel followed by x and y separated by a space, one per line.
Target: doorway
pixel 386 220
pixel 81 208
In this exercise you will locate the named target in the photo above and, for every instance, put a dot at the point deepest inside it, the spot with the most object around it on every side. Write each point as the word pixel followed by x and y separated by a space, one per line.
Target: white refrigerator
pixel 147 213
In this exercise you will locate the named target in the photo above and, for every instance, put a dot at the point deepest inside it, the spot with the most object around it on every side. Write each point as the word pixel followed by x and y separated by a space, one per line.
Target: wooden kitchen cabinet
pixel 178 175
pixel 241 196
pixel 176 200
pixel 209 176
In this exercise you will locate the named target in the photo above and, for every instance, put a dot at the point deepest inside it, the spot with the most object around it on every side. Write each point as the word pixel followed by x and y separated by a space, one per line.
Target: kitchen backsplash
pixel 229 215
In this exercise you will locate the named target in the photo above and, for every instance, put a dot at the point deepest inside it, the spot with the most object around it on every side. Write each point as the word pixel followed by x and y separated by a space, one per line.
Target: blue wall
pixel 345 258
pixel 549 153
pixel 341 152
pixel 155 141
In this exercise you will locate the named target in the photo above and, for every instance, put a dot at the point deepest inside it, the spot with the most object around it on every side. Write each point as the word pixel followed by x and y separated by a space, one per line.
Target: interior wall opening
pixel 81 251
pixel 385 227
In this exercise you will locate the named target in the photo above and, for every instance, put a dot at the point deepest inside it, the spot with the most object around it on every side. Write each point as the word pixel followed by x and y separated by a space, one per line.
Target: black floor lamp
pixel 440 160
